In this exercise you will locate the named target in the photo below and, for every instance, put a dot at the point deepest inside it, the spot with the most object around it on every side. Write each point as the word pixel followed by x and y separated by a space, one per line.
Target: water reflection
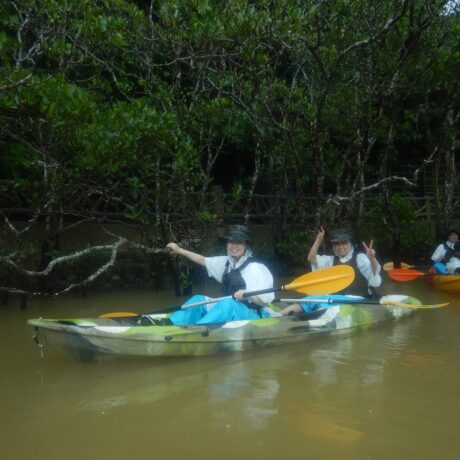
pixel 325 361
pixel 253 398
pixel 244 392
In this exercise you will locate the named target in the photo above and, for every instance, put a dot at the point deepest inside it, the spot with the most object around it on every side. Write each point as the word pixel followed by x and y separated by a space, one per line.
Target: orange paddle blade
pixel 404 274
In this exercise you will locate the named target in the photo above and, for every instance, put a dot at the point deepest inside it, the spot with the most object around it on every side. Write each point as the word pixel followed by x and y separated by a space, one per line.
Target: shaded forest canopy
pixel 130 113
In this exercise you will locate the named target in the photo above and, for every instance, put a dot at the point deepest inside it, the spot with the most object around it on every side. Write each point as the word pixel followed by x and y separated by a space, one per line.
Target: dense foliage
pixel 133 110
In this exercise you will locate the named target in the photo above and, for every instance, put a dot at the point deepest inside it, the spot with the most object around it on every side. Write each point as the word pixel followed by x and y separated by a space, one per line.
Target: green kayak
pixel 86 339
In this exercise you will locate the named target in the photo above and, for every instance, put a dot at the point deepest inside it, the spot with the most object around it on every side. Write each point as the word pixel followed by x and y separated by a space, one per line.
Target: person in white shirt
pixel 367 268
pixel 238 272
pixel 447 253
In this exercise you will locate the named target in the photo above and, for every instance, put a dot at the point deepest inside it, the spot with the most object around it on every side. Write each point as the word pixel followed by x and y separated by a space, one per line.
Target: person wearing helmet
pixel 367 268
pixel 365 264
pixel 446 257
pixel 238 272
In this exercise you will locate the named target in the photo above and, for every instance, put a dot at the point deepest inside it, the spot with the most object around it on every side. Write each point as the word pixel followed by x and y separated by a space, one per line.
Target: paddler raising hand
pixel 238 272
pixel 365 264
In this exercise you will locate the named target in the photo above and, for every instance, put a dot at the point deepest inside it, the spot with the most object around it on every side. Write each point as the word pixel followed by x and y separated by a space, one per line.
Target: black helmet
pixel 341 234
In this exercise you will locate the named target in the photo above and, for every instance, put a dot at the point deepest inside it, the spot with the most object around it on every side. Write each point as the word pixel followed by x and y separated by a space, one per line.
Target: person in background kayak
pixel 446 256
pixel 367 268
pixel 238 272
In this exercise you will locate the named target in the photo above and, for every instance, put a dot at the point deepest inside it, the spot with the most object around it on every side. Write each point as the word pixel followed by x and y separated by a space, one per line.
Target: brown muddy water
pixel 388 393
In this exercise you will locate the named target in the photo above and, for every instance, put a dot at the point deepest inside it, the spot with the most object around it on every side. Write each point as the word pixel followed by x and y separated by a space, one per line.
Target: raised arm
pixel 174 248
pixel 370 253
pixel 314 249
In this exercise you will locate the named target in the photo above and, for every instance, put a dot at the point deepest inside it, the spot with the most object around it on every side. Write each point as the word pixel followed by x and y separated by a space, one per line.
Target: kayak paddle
pixel 367 301
pixel 391 265
pixel 326 281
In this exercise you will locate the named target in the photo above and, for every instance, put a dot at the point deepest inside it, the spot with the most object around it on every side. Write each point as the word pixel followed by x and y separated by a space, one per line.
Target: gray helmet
pixel 341 234
pixel 237 232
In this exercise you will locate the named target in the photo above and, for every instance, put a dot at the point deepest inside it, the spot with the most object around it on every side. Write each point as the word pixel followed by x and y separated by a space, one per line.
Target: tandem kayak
pixel 446 283
pixel 86 339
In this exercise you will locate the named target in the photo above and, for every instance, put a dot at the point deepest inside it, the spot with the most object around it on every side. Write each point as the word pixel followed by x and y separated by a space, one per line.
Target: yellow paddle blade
pixel 118 314
pixel 409 305
pixel 390 265
pixel 326 281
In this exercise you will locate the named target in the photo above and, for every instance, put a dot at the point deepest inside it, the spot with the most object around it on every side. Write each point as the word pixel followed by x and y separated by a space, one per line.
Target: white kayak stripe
pixel 113 329
pixel 235 324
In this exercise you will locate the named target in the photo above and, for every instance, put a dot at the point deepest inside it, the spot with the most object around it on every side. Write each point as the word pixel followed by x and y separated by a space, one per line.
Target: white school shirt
pixel 453 264
pixel 256 275
pixel 440 251
pixel 362 262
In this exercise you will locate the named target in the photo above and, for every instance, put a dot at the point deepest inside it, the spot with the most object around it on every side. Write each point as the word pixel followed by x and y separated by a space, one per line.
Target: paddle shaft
pixel 331 301
pixel 366 301
pixel 313 279
pixel 218 299
pixel 165 310
pixel 390 265
pixel 204 302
